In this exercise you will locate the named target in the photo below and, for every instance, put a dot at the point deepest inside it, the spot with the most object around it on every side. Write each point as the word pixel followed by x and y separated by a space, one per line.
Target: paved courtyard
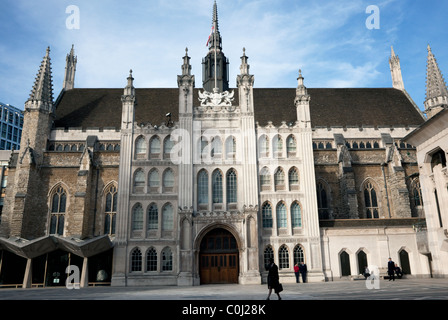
pixel 403 289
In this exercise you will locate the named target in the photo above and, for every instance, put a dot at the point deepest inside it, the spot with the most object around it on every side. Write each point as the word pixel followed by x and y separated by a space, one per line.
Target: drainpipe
pixel 385 186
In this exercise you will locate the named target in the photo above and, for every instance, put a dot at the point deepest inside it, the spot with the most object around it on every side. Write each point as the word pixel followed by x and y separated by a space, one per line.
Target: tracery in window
pixel 58 209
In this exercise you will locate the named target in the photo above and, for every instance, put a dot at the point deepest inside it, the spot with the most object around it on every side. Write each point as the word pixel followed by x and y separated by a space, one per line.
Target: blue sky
pixel 327 39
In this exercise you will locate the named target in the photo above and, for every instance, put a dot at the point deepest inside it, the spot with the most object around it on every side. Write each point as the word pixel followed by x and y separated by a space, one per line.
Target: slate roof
pixel 101 108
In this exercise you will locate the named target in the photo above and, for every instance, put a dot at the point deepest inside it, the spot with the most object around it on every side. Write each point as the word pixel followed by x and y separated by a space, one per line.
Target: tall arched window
pixel 293 177
pixel 140 147
pixel 277 145
pixel 167 217
pixel 264 146
pixel 153 181
pixel 282 220
pixel 136 260
pixel 231 186
pixel 265 178
pixel 217 187
pixel 279 179
pixel 167 259
pixel 298 254
pixel 151 260
pixel 416 197
pixel 154 147
pixel 230 147
pixel 268 254
pixel 322 201
pixel 202 187
pixel 153 217
pixel 168 145
pixel 137 217
pixel 139 181
pixel 58 209
pixel 371 201
pixel 283 257
pixel 168 180
pixel 110 212
pixel 266 215
pixel 216 147
pixel 291 145
pixel 296 215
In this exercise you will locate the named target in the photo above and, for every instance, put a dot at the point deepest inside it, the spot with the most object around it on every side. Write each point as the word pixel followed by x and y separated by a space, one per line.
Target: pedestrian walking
pixel 296 272
pixel 273 279
pixel 398 271
pixel 303 271
pixel 391 269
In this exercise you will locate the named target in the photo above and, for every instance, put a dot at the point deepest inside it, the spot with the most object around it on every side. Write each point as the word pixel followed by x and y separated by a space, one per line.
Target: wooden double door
pixel 219 258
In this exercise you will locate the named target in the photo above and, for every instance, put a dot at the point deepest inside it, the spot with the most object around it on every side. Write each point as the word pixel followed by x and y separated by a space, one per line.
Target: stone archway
pixel 218 257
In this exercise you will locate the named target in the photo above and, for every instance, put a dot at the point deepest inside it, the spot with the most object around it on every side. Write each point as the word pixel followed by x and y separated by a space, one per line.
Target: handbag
pixel 279 288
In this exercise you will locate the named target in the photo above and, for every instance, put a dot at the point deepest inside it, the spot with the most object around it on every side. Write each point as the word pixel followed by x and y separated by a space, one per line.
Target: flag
pixel 210 36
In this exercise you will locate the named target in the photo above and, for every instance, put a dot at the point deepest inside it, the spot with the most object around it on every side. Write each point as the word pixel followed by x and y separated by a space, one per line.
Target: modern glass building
pixel 11 121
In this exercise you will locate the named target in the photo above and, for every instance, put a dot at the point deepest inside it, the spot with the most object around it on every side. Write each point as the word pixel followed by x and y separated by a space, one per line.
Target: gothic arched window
pixel 232 186
pixel 298 254
pixel 167 260
pixel 291 145
pixel 137 217
pixel 282 219
pixel 202 187
pixel 268 254
pixel 217 187
pixel 154 147
pixel 140 147
pixel 266 215
pixel 296 215
pixel 279 179
pixel 151 260
pixel 136 260
pixel 58 209
pixel 322 201
pixel 371 201
pixel 283 257
pixel 110 212
pixel 153 217
pixel 293 177
pixel 167 217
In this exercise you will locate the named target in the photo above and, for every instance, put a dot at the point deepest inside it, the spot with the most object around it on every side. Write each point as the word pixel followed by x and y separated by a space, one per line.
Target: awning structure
pixel 30 249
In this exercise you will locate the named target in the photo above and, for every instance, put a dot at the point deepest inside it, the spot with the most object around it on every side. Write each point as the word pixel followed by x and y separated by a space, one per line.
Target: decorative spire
pixel 70 69
pixel 301 89
pixel 215 35
pixel 129 90
pixel 42 93
pixel 244 68
pixel 186 67
pixel 395 69
pixel 436 89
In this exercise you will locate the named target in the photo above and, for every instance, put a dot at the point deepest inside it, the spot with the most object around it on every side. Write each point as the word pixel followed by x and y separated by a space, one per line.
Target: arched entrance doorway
pixel 218 258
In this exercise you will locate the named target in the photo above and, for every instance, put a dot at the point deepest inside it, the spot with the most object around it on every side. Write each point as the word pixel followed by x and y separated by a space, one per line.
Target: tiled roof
pixel 329 107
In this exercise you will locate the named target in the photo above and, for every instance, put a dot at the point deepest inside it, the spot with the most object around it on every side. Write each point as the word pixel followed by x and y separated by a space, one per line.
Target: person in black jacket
pixel 391 269
pixel 303 271
pixel 273 278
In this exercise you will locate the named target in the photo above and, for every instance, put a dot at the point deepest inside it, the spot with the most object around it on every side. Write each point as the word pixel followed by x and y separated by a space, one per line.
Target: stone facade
pixel 314 175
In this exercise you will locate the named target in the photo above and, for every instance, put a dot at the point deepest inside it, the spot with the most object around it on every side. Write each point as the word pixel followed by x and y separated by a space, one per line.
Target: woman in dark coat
pixel 273 279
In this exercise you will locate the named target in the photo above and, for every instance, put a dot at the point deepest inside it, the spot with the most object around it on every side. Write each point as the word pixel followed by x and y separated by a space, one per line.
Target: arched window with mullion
pixel 58 209
pixel 296 215
pixel 110 212
pixel 371 201
pixel 282 219
pixel 203 187
pixel 217 194
pixel 232 187
pixel 153 217
pixel 266 215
